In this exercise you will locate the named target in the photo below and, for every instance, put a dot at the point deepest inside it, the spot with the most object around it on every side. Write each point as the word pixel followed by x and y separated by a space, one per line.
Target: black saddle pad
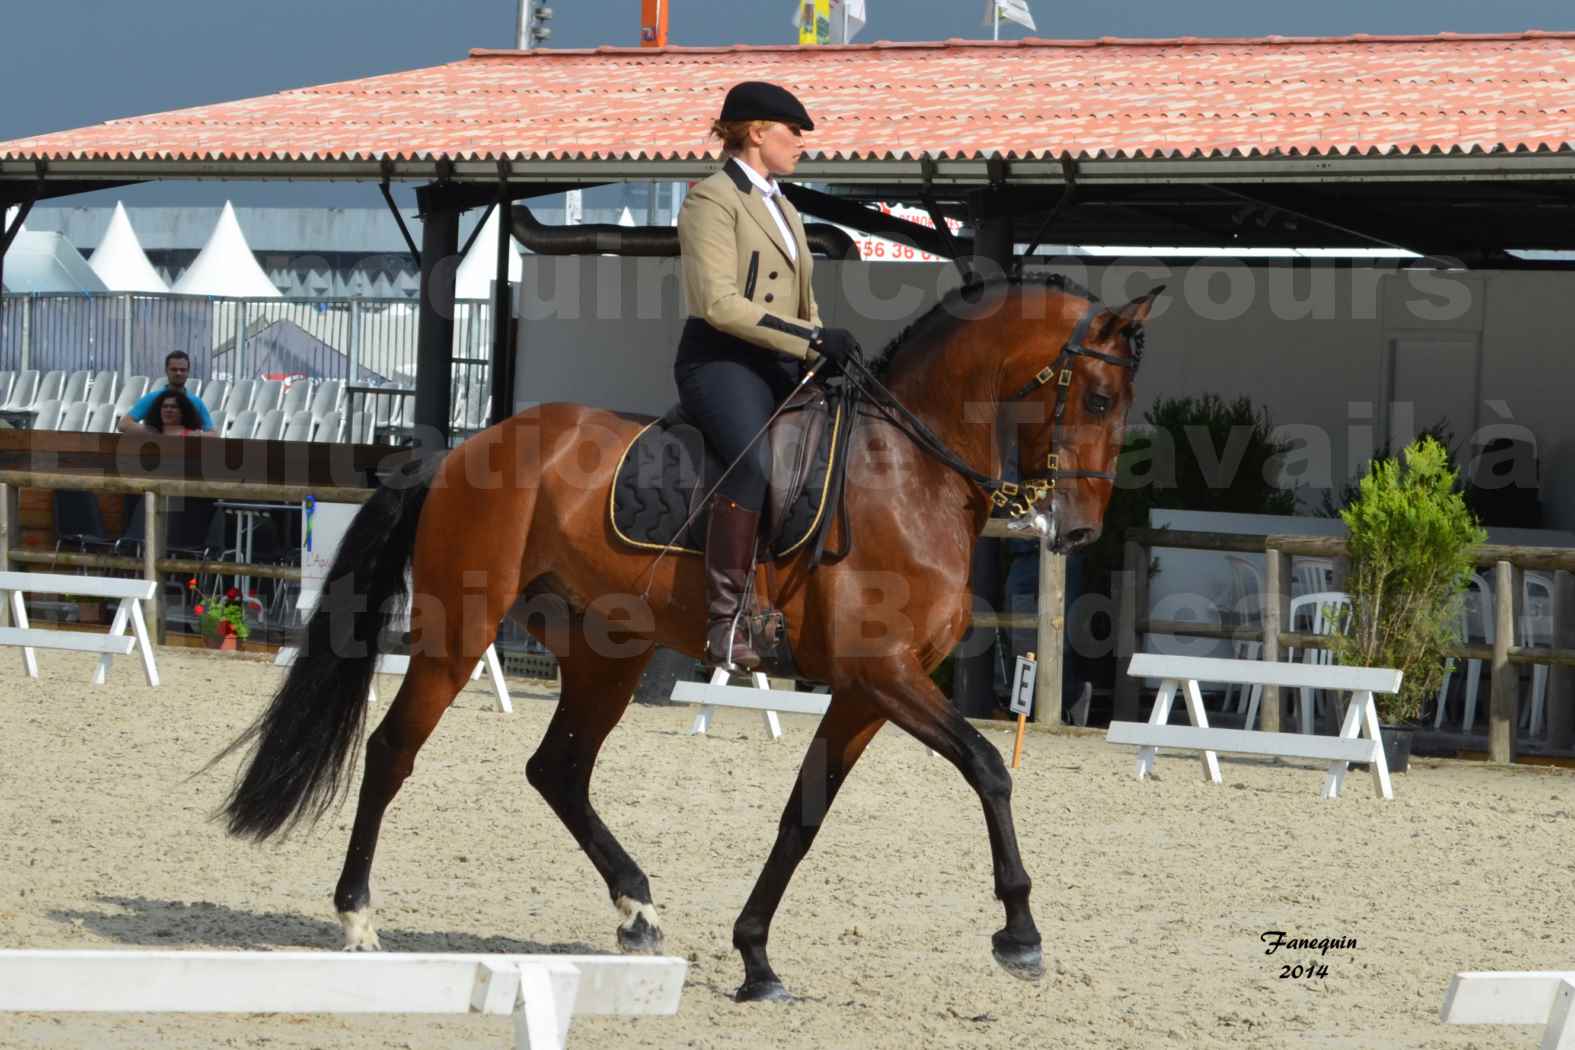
pixel 667 470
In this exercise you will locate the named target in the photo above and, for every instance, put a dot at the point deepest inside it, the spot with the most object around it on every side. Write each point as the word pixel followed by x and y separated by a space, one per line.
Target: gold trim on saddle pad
pixel 820 507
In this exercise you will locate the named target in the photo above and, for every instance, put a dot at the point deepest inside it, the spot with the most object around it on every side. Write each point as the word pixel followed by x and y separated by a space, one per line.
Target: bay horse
pixel 519 515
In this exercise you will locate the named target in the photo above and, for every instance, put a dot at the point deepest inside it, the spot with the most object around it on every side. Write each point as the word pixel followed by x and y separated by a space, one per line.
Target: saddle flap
pixel 796 438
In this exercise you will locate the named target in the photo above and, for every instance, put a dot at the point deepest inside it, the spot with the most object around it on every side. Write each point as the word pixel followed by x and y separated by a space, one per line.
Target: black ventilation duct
pixel 608 239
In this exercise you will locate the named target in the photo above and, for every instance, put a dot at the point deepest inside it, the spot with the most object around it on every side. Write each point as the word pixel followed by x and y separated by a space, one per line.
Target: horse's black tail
pixel 311 731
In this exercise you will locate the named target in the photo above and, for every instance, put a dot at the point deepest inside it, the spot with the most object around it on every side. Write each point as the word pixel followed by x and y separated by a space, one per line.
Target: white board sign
pixel 323 526
pixel 1023 686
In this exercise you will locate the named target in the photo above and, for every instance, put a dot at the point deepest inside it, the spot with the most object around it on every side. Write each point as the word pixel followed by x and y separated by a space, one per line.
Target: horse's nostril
pixel 1078 537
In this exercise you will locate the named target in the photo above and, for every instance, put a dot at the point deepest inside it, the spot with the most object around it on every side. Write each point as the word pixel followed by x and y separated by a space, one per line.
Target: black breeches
pixel 731 397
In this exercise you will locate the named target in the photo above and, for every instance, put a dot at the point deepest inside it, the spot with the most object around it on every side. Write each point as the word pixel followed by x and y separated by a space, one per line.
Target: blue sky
pixel 75 62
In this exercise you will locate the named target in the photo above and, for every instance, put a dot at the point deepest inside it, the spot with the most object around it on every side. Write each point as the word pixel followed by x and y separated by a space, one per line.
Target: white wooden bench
pixel 1183 673
pixel 131 593
pixel 759 697
pixel 543 992
pixel 1546 999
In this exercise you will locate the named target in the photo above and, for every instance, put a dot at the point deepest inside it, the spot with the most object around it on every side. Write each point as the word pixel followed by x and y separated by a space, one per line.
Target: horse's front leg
pixel 909 699
pixel 851 722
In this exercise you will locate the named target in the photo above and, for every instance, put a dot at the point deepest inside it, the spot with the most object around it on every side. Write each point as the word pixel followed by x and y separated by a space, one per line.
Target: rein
pixel 1003 493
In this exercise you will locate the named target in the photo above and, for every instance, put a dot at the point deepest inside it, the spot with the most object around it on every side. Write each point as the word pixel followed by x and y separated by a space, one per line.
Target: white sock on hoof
pixel 359 933
pixel 632 909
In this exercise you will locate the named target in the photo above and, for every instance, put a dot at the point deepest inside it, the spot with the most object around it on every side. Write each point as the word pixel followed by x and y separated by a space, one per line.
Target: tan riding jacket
pixel 737 273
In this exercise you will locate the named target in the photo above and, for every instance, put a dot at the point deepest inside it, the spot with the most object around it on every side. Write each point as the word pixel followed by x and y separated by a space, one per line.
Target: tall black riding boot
pixel 729 560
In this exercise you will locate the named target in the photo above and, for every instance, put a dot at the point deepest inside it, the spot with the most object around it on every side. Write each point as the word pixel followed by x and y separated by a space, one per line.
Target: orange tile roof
pixel 1108 98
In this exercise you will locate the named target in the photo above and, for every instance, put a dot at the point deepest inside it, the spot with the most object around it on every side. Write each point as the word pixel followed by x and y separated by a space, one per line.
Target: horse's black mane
pixel 971 292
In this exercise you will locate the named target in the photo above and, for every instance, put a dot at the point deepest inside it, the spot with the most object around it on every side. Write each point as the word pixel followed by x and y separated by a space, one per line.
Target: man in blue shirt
pixel 177 367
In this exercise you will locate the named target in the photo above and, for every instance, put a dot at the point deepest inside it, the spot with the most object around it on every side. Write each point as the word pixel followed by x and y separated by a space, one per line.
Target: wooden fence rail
pixel 155 492
pixel 1504 656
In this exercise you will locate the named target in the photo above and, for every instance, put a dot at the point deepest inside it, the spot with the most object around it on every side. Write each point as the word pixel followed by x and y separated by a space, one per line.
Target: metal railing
pixel 360 341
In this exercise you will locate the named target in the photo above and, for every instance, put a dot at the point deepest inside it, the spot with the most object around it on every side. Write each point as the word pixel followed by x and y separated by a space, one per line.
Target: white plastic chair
pixel 297 398
pixel 328 426
pixel 241 393
pixel 1536 630
pixel 194 387
pixel 300 427
pixel 1316 613
pixel 328 397
pixel 73 417
pixel 52 385
pixel 130 392
pixel 46 415
pixel 1311 576
pixel 241 425
pixel 100 419
pixel 24 391
pixel 6 379
pixel 270 425
pixel 1246 600
pixel 76 386
pixel 214 395
pixel 102 389
pixel 360 430
pixel 1475 608
pixel 219 421
pixel 267 396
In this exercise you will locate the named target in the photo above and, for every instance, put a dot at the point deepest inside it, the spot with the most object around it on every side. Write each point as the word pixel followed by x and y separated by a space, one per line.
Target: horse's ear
pixel 1132 315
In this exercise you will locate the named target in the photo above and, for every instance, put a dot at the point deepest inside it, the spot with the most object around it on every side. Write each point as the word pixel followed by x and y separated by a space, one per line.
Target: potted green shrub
pixel 1409 543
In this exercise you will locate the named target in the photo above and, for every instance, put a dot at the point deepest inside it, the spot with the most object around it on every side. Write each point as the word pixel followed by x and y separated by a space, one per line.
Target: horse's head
pixel 1068 396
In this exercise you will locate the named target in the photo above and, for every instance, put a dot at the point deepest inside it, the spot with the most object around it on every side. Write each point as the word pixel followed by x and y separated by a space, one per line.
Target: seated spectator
pixel 174 414
pixel 177 368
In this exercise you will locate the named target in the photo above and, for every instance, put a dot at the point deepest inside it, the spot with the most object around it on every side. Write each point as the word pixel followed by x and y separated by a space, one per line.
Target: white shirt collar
pixel 767 187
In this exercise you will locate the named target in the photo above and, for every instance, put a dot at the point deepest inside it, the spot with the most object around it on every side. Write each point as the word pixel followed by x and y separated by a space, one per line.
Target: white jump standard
pixel 131 593
pixel 543 992
pixel 1183 673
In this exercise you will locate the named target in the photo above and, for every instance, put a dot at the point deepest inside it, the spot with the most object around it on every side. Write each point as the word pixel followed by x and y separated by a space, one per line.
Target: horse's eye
pixel 1098 404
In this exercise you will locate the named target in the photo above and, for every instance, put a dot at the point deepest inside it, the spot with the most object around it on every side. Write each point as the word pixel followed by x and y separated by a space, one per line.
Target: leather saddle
pixel 666 471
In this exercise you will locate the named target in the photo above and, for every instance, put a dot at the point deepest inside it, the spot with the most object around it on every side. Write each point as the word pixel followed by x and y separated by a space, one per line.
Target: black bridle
pixel 1033 488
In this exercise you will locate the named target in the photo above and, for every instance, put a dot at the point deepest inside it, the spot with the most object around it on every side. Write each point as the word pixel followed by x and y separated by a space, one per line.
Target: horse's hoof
pixel 639 938
pixel 1026 962
pixel 360 934
pixel 762 992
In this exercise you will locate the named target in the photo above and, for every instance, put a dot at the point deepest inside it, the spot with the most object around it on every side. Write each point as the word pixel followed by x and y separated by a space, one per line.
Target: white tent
pixel 119 260
pixel 226 265
pixel 477 270
pixel 625 218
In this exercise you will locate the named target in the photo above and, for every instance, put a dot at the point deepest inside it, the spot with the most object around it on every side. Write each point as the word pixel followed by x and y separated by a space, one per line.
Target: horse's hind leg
pixel 428 689
pixel 596 691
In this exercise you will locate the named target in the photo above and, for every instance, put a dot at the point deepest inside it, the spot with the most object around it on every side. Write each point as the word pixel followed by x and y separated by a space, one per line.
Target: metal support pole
pixel 126 302
pixel 353 365
pixel 26 360
pixel 435 329
pixel 502 352
pixel 238 368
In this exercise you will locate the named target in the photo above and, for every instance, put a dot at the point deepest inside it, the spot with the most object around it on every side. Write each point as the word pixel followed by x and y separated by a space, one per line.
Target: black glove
pixel 836 345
